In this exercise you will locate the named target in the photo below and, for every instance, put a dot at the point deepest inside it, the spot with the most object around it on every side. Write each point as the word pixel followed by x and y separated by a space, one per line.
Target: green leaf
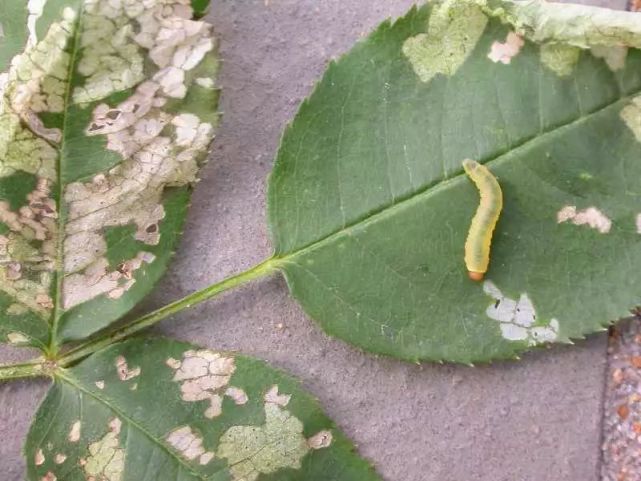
pixel 165 410
pixel 13 34
pixel 107 111
pixel 369 207
pixel 200 7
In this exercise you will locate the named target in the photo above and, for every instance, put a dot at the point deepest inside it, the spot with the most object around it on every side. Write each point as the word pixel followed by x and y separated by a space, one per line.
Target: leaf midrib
pixel 69 379
pixel 434 188
pixel 60 235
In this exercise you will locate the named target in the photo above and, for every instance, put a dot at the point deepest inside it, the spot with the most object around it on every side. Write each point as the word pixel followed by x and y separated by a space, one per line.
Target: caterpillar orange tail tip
pixel 479 237
pixel 476 276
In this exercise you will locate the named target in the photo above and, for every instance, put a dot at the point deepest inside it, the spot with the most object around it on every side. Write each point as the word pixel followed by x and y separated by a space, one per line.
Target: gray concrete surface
pixel 536 420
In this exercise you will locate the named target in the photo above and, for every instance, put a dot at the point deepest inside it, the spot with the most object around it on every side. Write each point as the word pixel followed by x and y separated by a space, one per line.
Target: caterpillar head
pixel 470 165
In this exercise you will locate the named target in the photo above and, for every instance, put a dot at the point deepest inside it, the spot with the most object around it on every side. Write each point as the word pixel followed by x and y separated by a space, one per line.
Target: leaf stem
pixel 91 346
pixel 35 368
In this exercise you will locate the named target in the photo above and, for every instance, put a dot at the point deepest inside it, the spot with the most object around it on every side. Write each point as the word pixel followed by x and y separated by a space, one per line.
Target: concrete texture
pixel 536 420
pixel 622 409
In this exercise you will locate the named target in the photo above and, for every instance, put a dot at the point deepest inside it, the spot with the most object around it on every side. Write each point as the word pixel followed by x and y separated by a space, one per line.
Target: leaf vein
pixel 57 300
pixel 433 188
pixel 65 376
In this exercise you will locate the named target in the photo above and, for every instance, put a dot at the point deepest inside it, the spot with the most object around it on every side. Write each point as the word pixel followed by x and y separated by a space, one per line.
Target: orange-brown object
pixel 623 411
pixel 476 276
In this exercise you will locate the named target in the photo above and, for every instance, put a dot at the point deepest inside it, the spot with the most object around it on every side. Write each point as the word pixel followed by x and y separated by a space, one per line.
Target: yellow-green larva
pixel 479 237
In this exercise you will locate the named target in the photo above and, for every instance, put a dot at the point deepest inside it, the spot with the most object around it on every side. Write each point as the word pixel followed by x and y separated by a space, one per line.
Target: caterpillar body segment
pixel 479 237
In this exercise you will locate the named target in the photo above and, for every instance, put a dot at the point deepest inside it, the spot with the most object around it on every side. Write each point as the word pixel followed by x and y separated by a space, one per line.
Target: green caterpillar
pixel 479 237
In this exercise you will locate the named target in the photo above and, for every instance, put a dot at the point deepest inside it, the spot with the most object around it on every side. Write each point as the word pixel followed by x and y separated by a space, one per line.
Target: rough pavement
pixel 622 409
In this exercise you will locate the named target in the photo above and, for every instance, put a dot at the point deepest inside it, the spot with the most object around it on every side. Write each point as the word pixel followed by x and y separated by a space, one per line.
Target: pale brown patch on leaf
pixel 97 279
pixel 591 216
pixel 189 444
pixel 74 433
pixel 254 450
pixel 39 458
pixel 17 338
pixel 164 29
pixel 27 251
pixel 44 300
pixel 631 115
pixel 107 459
pixel 614 56
pixel 454 29
pixel 320 440
pixel 560 58
pixel 17 310
pixel 504 52
pixel 272 396
pixel 124 373
pixel 159 149
pixel 206 82
pixel 238 395
pixel 203 375
pixel 173 363
pixel 205 458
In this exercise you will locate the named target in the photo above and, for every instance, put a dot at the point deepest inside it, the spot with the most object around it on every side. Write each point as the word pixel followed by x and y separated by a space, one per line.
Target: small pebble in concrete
pixel 622 410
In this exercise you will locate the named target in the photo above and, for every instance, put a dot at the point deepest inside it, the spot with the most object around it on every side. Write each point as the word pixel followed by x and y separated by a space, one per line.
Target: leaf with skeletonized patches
pixel 107 110
pixel 369 206
pixel 159 410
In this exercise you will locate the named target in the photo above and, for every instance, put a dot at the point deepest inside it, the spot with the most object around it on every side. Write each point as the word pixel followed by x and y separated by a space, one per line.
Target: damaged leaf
pixel 107 110
pixel 369 207
pixel 83 432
